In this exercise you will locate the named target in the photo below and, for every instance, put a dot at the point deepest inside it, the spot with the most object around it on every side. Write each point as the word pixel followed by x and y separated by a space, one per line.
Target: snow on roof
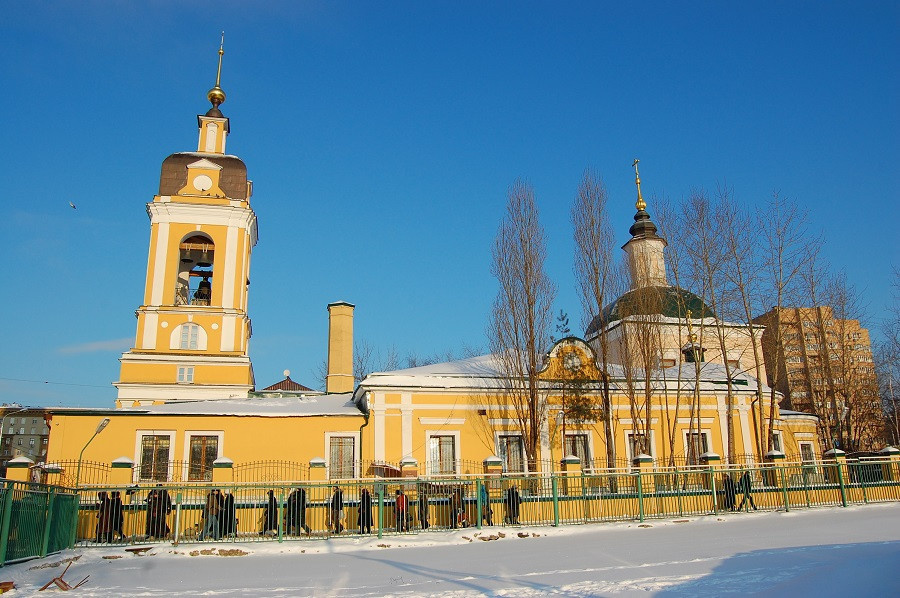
pixel 333 404
pixel 790 413
pixel 483 372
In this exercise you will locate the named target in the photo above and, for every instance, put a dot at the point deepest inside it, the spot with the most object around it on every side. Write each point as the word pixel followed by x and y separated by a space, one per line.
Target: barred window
pixel 204 450
pixel 442 455
pixel 155 458
pixel 342 453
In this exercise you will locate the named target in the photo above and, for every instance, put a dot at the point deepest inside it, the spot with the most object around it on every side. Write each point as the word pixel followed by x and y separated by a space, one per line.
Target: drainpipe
pixel 365 423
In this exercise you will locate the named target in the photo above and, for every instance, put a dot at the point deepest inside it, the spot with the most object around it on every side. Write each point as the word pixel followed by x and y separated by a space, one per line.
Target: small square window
pixel 185 374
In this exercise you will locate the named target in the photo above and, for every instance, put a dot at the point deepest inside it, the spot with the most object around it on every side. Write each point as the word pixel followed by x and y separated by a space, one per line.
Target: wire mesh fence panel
pixel 28 515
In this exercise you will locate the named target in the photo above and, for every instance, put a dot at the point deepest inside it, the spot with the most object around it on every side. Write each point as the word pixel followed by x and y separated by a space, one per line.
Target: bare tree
pixel 673 226
pixel 743 273
pixel 852 368
pixel 594 275
pixel 521 315
pixel 640 346
pixel 786 250
pixel 708 260
pixel 888 365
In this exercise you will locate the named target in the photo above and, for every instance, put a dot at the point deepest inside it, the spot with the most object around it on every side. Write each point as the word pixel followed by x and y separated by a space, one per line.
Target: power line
pixel 51 382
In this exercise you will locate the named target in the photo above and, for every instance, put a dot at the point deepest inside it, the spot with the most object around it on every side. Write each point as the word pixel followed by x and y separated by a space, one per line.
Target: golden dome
pixel 216 96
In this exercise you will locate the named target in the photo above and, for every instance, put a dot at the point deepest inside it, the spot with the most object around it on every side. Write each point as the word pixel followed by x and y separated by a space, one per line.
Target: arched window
pixel 195 271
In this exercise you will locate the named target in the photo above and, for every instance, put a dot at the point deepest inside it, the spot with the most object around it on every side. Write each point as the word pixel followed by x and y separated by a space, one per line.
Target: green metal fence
pixel 184 513
pixel 37 520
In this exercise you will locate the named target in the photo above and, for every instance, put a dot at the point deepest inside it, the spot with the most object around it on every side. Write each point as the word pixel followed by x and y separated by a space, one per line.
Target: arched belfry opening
pixel 195 271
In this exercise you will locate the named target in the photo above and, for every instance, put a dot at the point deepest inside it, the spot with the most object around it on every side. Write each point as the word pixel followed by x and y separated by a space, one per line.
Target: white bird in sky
pixel 71 205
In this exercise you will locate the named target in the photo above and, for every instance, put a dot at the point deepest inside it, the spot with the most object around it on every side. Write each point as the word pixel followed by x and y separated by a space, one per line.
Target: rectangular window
pixel 442 455
pixel 12 421
pixel 512 451
pixel 204 450
pixel 577 444
pixel 185 374
pixel 342 457
pixel 806 452
pixel 667 363
pixel 34 421
pixel 697 444
pixel 31 442
pixel 44 441
pixel 33 430
pixel 638 443
pixel 189 335
pixel 19 441
pixel 7 441
pixel 21 430
pixel 776 441
pixel 11 430
pixel 155 457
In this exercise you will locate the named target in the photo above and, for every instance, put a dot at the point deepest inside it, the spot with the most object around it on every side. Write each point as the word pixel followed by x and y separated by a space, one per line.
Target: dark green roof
pixel 670 302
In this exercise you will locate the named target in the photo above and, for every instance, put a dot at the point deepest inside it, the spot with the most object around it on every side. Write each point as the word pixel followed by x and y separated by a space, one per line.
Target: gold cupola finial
pixel 640 204
pixel 216 95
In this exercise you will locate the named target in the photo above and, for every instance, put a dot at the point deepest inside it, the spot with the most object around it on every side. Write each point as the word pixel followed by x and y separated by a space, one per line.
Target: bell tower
pixel 192 328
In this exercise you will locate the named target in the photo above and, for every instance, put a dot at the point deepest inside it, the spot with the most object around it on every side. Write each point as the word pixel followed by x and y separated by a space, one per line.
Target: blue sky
pixel 381 139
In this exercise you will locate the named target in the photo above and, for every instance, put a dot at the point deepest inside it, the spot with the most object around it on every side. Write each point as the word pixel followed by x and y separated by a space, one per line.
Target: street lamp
pixel 100 426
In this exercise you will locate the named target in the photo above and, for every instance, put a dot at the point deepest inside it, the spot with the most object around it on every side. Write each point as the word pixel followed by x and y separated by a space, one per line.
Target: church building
pixel 187 394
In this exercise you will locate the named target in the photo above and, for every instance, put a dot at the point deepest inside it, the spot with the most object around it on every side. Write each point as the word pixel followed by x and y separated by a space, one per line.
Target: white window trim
pixel 138 439
pixel 457 448
pixel 811 446
pixel 628 443
pixel 780 440
pixel 590 442
pixel 356 448
pixel 684 440
pixel 188 434
pixel 175 338
pixel 497 435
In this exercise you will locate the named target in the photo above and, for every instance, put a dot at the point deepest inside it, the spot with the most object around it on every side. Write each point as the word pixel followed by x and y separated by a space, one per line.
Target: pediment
pixel 204 164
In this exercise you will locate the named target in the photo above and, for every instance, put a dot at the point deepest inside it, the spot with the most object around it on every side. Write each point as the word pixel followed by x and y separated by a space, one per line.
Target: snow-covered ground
pixel 825 552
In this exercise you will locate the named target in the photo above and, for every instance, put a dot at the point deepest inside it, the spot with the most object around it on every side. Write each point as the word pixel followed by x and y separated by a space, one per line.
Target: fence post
pixel 281 515
pixel 640 491
pixel 177 518
pixel 710 459
pixel 4 527
pixel 787 503
pixel 678 494
pixel 841 482
pixel 840 461
pixel 478 503
pixel 380 490
pixel 554 485
pixel 48 521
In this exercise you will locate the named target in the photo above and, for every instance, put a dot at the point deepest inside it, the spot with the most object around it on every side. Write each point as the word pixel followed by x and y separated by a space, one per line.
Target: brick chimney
pixel 340 347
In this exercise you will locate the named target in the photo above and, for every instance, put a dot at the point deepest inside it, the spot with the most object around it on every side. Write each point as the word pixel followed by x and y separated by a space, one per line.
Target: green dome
pixel 670 302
